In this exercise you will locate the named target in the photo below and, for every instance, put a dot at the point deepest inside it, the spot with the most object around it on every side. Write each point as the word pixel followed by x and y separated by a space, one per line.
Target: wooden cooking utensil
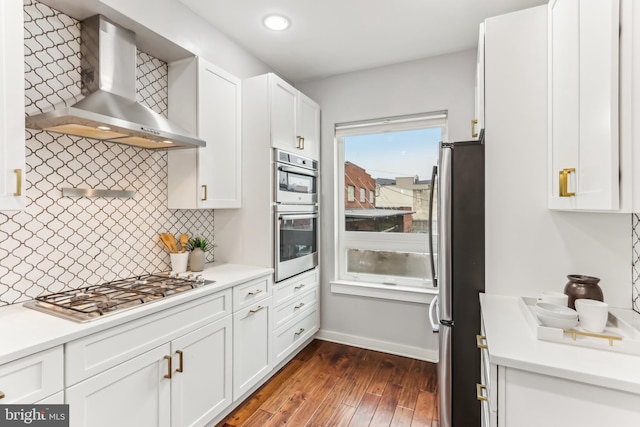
pixel 173 243
pixel 164 238
pixel 184 239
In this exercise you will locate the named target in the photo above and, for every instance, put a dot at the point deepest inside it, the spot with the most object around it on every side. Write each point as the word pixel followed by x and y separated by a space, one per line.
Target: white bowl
pixel 556 322
pixel 555 310
pixel 553 297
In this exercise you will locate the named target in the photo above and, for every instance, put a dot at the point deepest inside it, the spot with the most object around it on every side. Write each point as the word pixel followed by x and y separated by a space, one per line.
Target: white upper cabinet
pixel 583 105
pixel 207 101
pixel 12 143
pixel 478 123
pixel 295 119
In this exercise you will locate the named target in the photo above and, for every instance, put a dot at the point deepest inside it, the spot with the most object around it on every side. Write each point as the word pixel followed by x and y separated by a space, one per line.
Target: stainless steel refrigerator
pixel 459 275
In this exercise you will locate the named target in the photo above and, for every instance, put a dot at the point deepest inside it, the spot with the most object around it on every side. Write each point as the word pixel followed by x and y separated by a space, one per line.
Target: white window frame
pixel 363 195
pixel 407 242
pixel 371 196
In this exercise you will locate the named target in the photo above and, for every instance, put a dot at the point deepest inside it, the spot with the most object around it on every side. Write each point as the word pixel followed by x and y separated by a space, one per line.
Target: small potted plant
pixel 198 246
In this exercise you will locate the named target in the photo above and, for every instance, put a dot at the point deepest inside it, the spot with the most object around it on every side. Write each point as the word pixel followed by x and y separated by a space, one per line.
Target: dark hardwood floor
pixel 329 384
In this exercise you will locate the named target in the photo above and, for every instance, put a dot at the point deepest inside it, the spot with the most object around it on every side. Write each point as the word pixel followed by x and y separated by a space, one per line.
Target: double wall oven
pixel 295 214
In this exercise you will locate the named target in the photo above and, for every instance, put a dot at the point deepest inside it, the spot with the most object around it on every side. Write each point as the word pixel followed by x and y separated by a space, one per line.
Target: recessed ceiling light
pixel 103 128
pixel 276 22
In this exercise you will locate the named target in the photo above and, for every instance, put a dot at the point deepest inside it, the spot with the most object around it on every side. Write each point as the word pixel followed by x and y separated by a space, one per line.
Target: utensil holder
pixel 179 262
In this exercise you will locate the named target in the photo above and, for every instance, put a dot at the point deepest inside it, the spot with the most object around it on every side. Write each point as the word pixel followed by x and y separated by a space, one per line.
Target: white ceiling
pixel 329 37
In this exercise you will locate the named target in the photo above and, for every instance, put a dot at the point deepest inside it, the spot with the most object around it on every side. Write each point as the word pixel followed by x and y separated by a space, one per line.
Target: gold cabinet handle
pixel 300 331
pixel 18 182
pixel 481 341
pixel 257 309
pixel 256 292
pixel 564 182
pixel 1 395
pixel 300 286
pixel 474 134
pixel 204 192
pixel 479 393
pixel 181 366
pixel 168 375
pixel 300 142
pixel 299 306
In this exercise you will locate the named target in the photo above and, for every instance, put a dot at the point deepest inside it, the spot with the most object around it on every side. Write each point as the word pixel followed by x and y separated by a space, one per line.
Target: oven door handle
pixel 297 216
pixel 298 171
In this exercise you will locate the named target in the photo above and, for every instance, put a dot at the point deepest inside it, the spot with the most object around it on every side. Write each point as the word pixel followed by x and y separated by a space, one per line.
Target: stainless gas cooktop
pixel 94 302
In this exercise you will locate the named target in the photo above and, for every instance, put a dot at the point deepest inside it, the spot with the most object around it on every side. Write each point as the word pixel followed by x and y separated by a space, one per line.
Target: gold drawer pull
pixel 1 395
pixel 564 182
pixel 300 286
pixel 256 292
pixel 257 309
pixel 300 142
pixel 18 183
pixel 481 341
pixel 479 393
pixel 300 331
pixel 204 192
pixel 299 305
pixel 181 367
pixel 474 134
pixel 169 369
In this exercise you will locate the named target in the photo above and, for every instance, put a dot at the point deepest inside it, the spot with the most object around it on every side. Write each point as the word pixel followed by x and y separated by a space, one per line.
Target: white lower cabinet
pixel 519 398
pixel 296 314
pixel 135 393
pixel 171 368
pixel 35 378
pixel 251 346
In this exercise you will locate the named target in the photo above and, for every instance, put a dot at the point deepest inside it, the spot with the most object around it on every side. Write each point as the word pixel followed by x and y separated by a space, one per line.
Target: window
pixel 351 193
pixel 385 240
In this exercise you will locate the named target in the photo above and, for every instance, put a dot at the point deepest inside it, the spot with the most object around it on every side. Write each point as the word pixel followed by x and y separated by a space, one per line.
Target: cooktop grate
pixel 95 301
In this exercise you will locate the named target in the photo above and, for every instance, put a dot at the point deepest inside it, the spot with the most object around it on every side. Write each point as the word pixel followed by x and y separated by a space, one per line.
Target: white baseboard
pixel 428 355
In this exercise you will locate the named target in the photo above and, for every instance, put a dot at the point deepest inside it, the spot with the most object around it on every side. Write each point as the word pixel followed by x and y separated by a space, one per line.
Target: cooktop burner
pixel 93 302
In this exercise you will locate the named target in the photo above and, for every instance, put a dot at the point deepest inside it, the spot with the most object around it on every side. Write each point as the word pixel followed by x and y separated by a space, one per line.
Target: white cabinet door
pixel 308 126
pixel 583 105
pixel 207 101
pixel 283 114
pixel 251 346
pixel 201 383
pixel 136 393
pixel 12 143
pixel 295 120
pixel 478 122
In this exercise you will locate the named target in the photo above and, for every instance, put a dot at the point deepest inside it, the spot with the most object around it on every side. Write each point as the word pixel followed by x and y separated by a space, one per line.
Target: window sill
pixel 389 292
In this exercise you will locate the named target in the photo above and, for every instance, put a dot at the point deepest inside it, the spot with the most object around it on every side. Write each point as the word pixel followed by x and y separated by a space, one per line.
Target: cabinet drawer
pixel 290 288
pixel 97 352
pixel 291 335
pixel 251 292
pixel 32 378
pixel 287 311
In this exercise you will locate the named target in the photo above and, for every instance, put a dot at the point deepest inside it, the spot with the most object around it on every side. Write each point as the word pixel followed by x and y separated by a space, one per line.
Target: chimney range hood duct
pixel 109 111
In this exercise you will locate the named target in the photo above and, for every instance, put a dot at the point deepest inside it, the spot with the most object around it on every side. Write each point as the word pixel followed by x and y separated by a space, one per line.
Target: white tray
pixel 617 336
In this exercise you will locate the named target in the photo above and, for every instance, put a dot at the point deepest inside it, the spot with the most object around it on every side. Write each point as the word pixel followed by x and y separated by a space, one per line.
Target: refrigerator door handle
pixel 434 273
pixel 433 315
pixel 444 232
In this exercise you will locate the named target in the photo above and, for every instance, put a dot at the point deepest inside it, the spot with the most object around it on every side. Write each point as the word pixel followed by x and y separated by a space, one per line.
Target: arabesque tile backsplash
pixel 61 242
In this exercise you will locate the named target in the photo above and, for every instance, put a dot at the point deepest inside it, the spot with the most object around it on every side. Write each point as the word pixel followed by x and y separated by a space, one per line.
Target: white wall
pixel 439 83
pixel 531 248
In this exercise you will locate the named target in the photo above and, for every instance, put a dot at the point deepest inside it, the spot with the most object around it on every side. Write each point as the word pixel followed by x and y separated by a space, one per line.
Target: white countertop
pixel 25 331
pixel 513 343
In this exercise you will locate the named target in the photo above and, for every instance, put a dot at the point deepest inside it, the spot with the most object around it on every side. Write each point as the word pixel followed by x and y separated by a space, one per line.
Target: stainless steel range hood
pixel 109 111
